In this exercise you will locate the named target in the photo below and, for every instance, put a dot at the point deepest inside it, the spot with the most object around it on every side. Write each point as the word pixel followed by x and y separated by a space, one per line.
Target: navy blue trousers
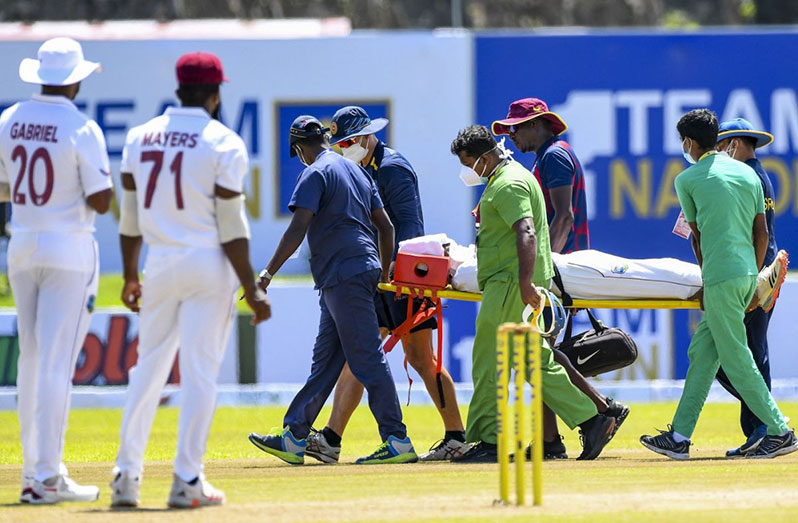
pixel 348 332
pixel 756 328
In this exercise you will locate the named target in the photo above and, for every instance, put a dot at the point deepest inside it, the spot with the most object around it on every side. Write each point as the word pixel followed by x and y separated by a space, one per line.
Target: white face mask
pixel 355 152
pixel 470 176
pixel 731 149
pixel 301 156
pixel 686 153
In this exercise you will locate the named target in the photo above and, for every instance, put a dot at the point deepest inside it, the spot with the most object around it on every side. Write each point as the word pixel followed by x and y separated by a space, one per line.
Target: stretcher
pixel 452 294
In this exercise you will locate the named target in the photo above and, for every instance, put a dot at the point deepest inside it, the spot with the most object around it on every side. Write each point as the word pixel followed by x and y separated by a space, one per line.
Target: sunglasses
pixel 345 144
pixel 515 128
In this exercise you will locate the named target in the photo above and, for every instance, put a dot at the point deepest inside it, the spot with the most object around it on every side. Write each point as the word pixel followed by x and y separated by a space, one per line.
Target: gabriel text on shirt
pixel 34 132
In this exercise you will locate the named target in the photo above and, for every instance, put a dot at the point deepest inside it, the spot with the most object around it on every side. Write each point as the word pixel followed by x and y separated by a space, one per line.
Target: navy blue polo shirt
pixel 341 237
pixel 556 165
pixel 397 183
pixel 770 208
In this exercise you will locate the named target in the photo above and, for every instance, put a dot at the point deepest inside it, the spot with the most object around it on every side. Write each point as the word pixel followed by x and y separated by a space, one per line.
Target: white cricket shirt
pixel 53 157
pixel 176 159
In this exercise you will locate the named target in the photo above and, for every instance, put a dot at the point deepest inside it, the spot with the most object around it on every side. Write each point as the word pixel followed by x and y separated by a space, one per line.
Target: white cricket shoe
pixel 63 488
pixel 200 494
pixel 769 281
pixel 27 490
pixel 445 450
pixel 125 489
pixel 317 446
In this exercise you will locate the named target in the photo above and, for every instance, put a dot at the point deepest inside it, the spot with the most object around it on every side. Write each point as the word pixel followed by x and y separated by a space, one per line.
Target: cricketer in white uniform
pixel 54 169
pixel 182 175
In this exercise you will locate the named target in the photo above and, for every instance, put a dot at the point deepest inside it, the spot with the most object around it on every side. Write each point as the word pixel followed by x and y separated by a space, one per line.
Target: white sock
pixel 678 438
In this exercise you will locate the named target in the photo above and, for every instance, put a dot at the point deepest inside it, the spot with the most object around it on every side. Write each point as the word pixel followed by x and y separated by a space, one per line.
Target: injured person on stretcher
pixel 596 275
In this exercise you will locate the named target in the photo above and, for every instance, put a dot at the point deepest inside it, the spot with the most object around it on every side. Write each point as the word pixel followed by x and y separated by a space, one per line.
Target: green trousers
pixel 501 303
pixel 720 340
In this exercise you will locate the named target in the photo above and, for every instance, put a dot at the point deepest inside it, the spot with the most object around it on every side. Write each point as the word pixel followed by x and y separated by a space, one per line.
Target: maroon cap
pixel 199 68
pixel 525 110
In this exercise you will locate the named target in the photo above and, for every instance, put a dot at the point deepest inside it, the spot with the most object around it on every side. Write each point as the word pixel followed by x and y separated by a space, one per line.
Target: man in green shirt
pixel 513 257
pixel 723 203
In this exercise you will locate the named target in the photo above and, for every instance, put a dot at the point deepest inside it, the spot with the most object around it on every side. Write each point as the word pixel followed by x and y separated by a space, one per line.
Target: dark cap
pixel 351 121
pixel 304 126
pixel 199 68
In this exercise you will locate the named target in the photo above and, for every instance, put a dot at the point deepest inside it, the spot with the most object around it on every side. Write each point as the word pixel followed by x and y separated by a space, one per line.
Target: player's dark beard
pixel 215 114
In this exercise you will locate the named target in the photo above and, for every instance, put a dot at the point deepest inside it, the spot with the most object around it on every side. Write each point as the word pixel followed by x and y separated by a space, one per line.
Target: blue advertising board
pixel 287 169
pixel 621 95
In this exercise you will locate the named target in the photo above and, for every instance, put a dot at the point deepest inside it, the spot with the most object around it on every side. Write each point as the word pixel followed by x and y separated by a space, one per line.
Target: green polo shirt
pixel 511 194
pixel 722 196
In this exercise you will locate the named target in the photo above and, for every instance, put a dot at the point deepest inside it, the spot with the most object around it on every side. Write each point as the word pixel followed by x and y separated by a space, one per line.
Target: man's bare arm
pixel 563 220
pixel 695 239
pixel 761 239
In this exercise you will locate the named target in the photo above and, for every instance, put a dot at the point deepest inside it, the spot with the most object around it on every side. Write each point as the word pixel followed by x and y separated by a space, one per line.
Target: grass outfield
pixel 627 483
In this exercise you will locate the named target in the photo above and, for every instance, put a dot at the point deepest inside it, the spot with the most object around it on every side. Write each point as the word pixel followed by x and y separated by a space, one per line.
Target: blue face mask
pixel 686 153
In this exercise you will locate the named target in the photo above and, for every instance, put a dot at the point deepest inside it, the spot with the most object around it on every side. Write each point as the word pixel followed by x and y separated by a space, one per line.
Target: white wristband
pixel 265 275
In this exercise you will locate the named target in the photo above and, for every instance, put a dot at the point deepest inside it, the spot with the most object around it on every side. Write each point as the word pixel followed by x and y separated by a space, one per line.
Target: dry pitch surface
pixel 627 483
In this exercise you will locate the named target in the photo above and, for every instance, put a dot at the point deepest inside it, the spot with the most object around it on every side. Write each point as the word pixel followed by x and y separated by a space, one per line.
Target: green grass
pixel 110 289
pixel 627 483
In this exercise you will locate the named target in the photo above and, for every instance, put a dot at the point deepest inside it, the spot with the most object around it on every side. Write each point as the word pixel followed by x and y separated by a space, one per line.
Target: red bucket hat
pixel 525 110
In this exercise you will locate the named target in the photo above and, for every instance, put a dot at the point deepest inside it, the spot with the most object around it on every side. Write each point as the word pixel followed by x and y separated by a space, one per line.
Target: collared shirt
pixel 397 183
pixel 722 196
pixel 511 194
pixel 53 157
pixel 341 237
pixel 556 165
pixel 176 160
pixel 770 208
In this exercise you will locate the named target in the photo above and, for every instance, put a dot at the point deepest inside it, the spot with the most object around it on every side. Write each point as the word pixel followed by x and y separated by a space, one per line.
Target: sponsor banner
pixel 108 353
pixel 269 82
pixel 622 94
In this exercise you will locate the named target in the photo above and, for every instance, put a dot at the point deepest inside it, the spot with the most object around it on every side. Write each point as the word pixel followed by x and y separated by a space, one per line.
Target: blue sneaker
pixel 751 444
pixel 281 444
pixel 392 450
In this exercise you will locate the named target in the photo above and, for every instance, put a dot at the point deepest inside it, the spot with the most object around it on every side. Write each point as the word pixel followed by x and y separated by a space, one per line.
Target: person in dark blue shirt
pixel 353 131
pixel 740 140
pixel 336 204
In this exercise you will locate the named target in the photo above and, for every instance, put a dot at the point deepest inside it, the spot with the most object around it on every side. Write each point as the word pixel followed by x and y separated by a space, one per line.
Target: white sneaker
pixel 125 489
pixel 445 450
pixel 200 494
pixel 63 488
pixel 317 446
pixel 770 279
pixel 27 490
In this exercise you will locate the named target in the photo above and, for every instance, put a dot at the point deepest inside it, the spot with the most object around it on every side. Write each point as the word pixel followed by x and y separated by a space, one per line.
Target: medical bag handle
pixel 567 301
pixel 597 325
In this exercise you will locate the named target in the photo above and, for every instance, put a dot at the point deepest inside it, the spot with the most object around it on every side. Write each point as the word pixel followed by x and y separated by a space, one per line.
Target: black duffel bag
pixel 599 350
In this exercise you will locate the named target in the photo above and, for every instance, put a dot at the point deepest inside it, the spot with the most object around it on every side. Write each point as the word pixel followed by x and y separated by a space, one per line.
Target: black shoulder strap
pixel 566 298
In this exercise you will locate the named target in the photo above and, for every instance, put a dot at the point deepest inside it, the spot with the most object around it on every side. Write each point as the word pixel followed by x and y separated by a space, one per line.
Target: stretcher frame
pixel 647 303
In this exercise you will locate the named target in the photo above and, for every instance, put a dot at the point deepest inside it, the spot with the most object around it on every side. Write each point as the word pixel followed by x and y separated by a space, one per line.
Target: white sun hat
pixel 60 63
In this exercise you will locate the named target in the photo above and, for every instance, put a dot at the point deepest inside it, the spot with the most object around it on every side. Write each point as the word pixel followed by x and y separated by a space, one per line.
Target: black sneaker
pixel 552 450
pixel 751 444
pixel 616 410
pixel 773 446
pixel 595 433
pixel 479 452
pixel 665 444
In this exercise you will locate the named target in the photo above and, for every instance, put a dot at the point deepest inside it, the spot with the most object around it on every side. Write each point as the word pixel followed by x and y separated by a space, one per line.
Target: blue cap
pixel 303 127
pixel 351 121
pixel 742 127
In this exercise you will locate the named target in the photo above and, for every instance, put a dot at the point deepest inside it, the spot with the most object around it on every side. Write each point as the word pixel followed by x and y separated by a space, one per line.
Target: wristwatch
pixel 266 275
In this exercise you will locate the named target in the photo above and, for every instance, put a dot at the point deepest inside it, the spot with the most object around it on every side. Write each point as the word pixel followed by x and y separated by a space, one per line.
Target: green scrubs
pixel 512 194
pixel 723 196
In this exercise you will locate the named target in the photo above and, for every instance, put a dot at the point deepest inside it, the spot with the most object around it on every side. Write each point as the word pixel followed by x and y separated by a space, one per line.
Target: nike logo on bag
pixel 582 361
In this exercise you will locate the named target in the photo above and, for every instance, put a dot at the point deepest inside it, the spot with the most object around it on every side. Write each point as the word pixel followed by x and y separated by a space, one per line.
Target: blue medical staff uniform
pixel 397 184
pixel 346 268
pixel 757 321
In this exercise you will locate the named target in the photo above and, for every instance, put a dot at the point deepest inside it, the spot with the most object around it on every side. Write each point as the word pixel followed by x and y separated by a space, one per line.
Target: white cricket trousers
pixel 187 300
pixel 54 279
